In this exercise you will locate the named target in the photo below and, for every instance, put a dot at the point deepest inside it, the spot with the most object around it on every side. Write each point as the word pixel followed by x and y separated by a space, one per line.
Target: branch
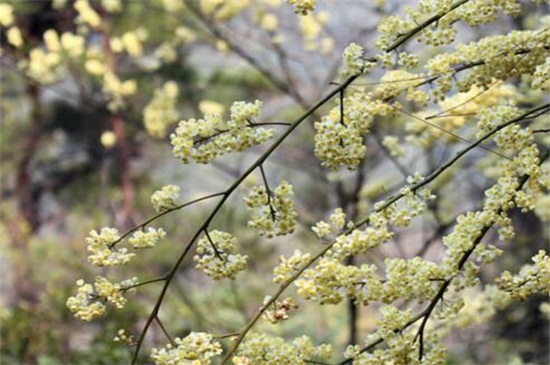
pixel 365 220
pixel 241 52
pixel 161 214
pixel 404 38
pixel 225 195
pixel 425 314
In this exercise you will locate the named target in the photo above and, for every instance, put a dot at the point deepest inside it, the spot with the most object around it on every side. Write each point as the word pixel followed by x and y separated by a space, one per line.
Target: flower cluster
pixel 462 239
pixel 146 239
pixel 6 15
pixel 112 293
pixel 463 106
pixel 401 349
pixel 269 22
pixel 488 118
pixel 474 13
pixel 13 34
pixel 205 139
pixel 542 206
pixel 359 241
pixel 288 267
pixel 409 279
pixel 354 63
pixel 223 10
pixel 402 344
pixel 112 6
pixel 196 348
pixel 83 304
pixel 130 42
pixel 496 58
pixel 339 138
pixel 408 60
pixel 211 107
pixel 500 198
pixel 160 113
pixel 541 76
pixel 269 350
pixel 330 281
pixel 123 337
pixel 480 305
pixel 89 301
pixel 303 7
pixel 391 321
pixel 279 310
pixel 103 252
pixel 273 212
pixel 531 279
pixel 46 65
pixel 311 26
pixel 338 144
pixel 165 198
pixel 486 254
pixel 86 14
pixel 216 257
pixel 337 222
pixel 117 90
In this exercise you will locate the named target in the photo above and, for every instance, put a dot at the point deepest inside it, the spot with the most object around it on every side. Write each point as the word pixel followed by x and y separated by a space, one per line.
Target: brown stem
pixel 123 146
pixel 24 189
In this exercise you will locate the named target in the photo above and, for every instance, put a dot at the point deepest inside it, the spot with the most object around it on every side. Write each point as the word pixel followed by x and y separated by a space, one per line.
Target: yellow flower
pixel 222 46
pixel 6 15
pixel 116 45
pixel 87 14
pixel 211 107
pixel 269 22
pixel 52 41
pixel 132 44
pixel 14 37
pixel 108 139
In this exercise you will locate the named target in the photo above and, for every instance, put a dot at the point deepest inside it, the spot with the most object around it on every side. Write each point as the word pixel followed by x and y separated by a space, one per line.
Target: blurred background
pixel 87 107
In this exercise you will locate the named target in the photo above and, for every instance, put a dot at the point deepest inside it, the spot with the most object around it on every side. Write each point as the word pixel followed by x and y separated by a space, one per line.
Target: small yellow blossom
pixel 165 198
pixel 95 67
pixel 196 349
pixel 303 7
pixel 108 139
pixel 132 44
pixel 211 107
pixel 6 14
pixel 269 22
pixel 216 256
pixel 14 37
pixel 86 14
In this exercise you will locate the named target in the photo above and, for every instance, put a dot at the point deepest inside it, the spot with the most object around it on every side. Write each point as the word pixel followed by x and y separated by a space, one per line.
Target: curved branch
pixel 425 314
pixel 225 195
pixel 364 221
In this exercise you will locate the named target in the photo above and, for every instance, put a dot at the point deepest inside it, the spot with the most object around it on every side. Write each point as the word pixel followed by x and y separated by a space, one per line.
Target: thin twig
pixel 269 194
pixel 452 134
pixel 157 319
pixel 143 283
pixel 214 247
pixel 161 214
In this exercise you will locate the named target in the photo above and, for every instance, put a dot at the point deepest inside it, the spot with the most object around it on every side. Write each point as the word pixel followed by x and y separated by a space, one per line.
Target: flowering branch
pixel 425 314
pixel 364 221
pixel 225 195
